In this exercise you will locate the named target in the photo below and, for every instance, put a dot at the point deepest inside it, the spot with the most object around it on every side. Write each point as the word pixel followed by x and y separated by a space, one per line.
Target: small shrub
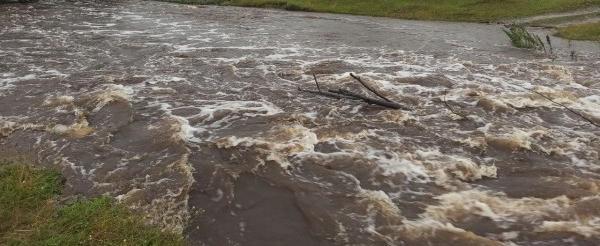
pixel 521 38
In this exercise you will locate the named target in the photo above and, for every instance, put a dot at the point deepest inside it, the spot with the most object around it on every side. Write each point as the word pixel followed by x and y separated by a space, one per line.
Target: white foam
pixel 110 93
pixel 166 79
pixel 396 164
pixel 586 228
pixel 591 105
pixel 446 167
pixel 8 80
pixel 280 142
pixel 187 132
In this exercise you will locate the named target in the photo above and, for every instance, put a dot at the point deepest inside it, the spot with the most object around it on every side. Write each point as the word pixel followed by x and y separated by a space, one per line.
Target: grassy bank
pixel 587 31
pixel 451 10
pixel 30 215
pixel 557 21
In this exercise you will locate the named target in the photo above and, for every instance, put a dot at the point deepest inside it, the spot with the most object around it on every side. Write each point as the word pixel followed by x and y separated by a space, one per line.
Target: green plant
pixel 25 199
pixel 99 221
pixel 30 215
pixel 521 38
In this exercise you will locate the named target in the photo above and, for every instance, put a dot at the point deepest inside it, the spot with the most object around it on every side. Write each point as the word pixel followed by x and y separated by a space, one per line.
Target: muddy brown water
pixel 191 115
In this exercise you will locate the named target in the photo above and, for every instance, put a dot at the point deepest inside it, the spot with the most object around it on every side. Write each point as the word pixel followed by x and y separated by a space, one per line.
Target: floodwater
pixel 192 116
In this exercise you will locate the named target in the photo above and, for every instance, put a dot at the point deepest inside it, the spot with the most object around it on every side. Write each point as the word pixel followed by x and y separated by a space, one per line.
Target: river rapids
pixel 191 115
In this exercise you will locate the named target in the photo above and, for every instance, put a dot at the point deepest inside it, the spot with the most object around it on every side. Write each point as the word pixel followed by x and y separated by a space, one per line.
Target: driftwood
pixel 323 93
pixel 356 96
pixel 326 94
pixel 369 87
pixel 345 94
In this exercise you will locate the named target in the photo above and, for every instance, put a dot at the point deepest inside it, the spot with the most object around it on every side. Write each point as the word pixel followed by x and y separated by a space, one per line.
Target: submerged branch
pixel 325 93
pixel 450 108
pixel 382 103
pixel 369 87
pixel 345 94
pixel 564 106
pixel 316 82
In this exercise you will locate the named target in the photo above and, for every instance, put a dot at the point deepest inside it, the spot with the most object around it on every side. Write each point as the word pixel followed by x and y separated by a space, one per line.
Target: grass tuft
pixel 29 215
pixel 25 200
pixel 587 31
pixel 281 5
pixel 521 38
pixel 100 222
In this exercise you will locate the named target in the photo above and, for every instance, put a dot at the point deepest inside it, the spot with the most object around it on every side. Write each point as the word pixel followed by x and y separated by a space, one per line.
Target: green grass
pixel 555 21
pixel 25 200
pixel 587 31
pixel 29 215
pixel 452 10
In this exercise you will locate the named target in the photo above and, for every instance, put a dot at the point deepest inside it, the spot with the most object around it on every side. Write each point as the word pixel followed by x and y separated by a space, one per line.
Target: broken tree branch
pixel 450 108
pixel 369 87
pixel 345 94
pixel 325 93
pixel 382 103
pixel 316 82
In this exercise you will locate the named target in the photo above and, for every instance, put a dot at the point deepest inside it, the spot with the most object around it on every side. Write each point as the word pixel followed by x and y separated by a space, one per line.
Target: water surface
pixel 192 116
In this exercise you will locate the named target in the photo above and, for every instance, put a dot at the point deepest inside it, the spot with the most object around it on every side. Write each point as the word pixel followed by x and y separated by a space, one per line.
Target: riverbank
pixel 31 215
pixel 454 10
pixel 584 31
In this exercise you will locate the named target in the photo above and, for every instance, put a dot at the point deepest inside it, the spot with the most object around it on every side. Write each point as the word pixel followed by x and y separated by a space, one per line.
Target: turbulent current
pixel 192 116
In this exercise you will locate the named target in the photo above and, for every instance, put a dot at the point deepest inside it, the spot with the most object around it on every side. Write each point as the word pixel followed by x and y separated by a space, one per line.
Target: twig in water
pixel 345 94
pixel 326 93
pixel 382 103
pixel 549 44
pixel 316 82
pixel 450 108
pixel 564 106
pixel 369 87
